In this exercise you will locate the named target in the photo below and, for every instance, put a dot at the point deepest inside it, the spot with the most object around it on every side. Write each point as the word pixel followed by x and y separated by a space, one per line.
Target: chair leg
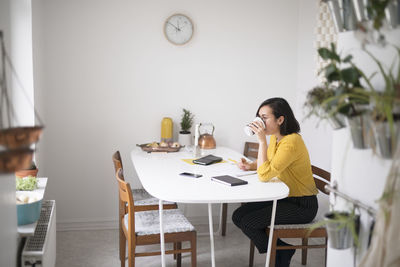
pixel 326 249
pixel 174 249
pixel 193 242
pixel 273 251
pixel 304 251
pixel 179 255
pixel 251 255
pixel 131 253
pixel 224 216
pixel 122 247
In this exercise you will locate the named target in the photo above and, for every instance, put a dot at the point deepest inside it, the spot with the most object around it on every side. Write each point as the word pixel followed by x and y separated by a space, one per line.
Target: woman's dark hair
pixel 280 107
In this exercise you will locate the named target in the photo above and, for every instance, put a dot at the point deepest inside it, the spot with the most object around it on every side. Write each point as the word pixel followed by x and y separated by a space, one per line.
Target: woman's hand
pixel 244 165
pixel 258 128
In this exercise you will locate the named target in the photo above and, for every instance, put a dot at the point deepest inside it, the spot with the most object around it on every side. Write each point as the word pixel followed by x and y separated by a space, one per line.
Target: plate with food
pixel 161 147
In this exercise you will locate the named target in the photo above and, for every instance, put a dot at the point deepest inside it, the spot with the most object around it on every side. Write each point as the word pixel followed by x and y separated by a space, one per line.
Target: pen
pixel 234 161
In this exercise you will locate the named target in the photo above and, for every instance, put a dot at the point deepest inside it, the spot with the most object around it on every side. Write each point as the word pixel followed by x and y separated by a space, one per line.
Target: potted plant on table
pixel 185 136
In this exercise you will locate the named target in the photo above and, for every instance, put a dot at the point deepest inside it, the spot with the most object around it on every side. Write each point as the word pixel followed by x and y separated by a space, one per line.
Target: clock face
pixel 178 29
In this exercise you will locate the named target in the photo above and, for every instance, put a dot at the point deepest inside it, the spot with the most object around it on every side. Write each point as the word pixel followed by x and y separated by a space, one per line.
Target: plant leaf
pixel 348 59
pixel 332 73
pixel 324 53
pixel 350 75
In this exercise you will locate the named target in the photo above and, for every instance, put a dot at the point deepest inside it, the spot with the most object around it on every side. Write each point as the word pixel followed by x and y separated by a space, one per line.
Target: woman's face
pixel 272 124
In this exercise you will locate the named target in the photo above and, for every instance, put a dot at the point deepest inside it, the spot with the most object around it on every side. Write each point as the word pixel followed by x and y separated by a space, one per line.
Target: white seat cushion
pixel 148 222
pixel 295 226
pixel 143 198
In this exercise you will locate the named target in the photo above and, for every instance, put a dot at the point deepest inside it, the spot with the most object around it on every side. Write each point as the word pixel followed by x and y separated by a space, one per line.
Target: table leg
pixel 219 231
pixel 271 231
pixel 210 222
pixel 162 241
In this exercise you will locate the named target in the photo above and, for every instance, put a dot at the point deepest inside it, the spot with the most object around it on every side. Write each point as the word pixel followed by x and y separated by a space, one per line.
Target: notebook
pixel 207 160
pixel 228 180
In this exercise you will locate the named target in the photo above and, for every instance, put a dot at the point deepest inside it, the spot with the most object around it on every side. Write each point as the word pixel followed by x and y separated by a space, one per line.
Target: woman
pixel 285 157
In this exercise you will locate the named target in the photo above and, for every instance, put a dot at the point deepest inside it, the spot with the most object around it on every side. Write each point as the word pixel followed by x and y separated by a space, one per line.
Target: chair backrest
pixel 116 157
pixel 250 150
pixel 321 178
pixel 125 196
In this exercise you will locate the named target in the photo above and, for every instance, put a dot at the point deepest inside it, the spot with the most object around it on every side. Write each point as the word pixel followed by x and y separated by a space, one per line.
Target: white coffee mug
pixel 249 131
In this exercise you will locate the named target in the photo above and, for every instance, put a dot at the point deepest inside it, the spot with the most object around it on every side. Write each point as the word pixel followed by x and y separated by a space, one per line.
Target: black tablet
pixel 207 160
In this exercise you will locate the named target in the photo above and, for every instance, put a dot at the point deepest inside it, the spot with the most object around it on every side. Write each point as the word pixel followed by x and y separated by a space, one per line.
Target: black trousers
pixel 254 218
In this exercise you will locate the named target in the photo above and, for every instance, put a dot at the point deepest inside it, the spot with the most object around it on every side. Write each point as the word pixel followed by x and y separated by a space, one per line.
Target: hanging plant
pixel 342 75
pixel 342 228
pixel 385 106
pixel 15 141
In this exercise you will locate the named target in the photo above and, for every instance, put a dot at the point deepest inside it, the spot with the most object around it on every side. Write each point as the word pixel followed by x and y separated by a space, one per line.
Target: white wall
pixel 105 76
pixel 316 134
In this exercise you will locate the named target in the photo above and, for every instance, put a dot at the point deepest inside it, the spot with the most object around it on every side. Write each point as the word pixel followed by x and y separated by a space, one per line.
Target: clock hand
pixel 173 26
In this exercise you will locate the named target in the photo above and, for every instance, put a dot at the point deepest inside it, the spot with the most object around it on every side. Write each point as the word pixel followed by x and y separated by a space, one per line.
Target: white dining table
pixel 159 175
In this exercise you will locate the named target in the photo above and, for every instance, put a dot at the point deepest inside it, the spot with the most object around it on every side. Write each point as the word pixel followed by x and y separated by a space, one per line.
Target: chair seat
pixel 295 226
pixel 148 222
pixel 143 198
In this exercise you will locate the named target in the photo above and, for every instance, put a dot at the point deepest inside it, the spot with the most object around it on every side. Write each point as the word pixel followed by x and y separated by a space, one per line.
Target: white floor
pixel 100 248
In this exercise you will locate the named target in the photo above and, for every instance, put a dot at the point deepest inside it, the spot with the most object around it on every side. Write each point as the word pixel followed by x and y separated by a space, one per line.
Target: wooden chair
pixel 143 228
pixel 143 201
pixel 250 151
pixel 321 178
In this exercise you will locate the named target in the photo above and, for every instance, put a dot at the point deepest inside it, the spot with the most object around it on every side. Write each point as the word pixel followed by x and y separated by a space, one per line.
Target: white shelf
pixel 29 229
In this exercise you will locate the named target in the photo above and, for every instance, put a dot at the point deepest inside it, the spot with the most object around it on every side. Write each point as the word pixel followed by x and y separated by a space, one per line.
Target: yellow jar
pixel 166 129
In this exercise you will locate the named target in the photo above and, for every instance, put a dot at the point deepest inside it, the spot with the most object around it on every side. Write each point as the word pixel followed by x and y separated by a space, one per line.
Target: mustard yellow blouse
pixel 289 161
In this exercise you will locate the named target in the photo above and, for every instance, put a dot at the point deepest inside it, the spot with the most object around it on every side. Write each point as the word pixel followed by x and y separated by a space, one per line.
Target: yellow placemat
pixel 190 161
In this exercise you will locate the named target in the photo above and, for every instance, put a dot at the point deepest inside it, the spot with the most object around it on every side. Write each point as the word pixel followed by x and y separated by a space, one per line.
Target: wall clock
pixel 178 29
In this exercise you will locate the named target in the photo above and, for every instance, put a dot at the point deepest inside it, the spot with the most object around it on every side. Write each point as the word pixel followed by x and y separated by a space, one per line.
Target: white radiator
pixel 40 249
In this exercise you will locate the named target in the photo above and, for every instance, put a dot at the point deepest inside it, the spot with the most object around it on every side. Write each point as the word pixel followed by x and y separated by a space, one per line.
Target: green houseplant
pixel 348 97
pixel 186 121
pixel 343 76
pixel 185 137
pixel 342 228
pixel 385 115
pixel 314 104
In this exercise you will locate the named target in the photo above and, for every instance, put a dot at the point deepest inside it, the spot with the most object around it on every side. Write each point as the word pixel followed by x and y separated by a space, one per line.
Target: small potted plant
pixel 386 107
pixel 342 228
pixel 185 137
pixel 31 171
pixel 316 98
